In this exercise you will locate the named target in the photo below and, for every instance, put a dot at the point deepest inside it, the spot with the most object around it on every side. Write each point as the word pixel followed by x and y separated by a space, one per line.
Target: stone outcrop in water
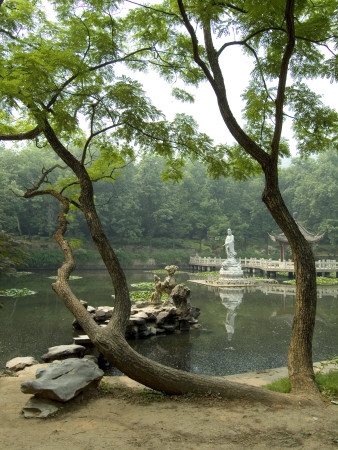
pixel 164 287
pixel 152 317
pixel 147 319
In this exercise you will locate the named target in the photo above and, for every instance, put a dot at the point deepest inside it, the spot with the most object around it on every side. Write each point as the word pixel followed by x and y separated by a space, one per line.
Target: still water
pixel 241 331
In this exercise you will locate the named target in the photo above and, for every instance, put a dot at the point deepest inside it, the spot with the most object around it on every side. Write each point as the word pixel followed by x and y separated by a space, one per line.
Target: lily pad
pixel 321 281
pixel 72 277
pixel 144 285
pixel 139 296
pixel 16 292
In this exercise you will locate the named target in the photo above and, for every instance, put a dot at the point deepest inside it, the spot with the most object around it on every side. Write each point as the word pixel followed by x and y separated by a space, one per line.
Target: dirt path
pixel 108 422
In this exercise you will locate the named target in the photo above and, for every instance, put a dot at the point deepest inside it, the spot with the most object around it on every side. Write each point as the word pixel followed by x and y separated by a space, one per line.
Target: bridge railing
pixel 325 265
pixel 205 261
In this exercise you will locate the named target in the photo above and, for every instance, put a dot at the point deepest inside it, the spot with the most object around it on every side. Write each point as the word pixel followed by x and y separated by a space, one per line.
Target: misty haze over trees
pixel 139 209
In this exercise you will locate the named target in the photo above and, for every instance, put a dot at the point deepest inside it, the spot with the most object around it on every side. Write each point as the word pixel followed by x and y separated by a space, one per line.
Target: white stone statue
pixel 229 245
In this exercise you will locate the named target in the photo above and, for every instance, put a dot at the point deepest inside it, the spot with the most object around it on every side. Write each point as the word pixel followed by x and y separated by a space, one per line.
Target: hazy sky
pixel 205 109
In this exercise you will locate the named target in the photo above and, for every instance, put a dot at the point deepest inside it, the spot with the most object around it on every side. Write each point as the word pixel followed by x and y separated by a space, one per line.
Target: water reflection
pixel 231 299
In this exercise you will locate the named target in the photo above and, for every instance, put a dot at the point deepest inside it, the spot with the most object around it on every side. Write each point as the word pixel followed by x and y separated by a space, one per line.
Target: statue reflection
pixel 231 298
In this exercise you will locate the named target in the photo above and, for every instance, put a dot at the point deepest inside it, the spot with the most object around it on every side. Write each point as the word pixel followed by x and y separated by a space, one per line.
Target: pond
pixel 241 331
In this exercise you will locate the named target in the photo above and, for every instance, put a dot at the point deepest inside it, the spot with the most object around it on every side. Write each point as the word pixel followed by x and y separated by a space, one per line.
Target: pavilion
pixel 283 242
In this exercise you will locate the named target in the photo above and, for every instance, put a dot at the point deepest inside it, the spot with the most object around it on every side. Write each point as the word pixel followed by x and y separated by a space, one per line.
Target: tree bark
pixel 300 364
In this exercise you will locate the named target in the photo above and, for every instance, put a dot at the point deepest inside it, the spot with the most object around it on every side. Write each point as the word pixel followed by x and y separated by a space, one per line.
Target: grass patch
pixel 140 396
pixel 282 385
pixel 207 274
pixel 327 383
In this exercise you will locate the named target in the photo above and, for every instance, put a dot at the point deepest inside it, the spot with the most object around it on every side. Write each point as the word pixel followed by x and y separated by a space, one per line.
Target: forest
pixel 142 212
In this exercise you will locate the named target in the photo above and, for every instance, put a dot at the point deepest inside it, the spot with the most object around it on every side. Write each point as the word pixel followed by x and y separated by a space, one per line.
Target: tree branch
pixel 247 38
pixel 230 6
pixel 61 286
pixel 45 173
pixel 21 136
pixel 153 9
pixel 219 88
pixel 94 134
pixel 289 18
pixel 194 41
pixel 92 69
pixel 122 300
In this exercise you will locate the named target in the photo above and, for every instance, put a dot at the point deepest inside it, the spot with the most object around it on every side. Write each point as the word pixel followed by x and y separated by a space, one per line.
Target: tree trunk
pixel 300 365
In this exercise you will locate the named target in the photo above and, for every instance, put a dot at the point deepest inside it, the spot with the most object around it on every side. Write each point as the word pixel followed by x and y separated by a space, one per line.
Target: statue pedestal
pixel 231 272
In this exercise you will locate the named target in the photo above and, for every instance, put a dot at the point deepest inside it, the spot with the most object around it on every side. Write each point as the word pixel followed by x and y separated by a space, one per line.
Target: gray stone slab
pixel 40 408
pixel 63 352
pixel 63 380
pixel 20 362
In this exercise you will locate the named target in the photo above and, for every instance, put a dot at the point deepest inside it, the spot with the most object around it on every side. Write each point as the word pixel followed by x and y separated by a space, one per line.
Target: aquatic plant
pixel 16 292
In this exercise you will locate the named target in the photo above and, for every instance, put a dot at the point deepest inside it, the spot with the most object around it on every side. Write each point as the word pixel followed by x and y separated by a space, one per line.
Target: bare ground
pixel 120 420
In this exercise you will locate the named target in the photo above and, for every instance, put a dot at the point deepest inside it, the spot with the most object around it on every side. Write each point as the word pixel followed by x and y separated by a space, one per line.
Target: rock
pixel 166 316
pixel 103 313
pixel 142 304
pixel 63 380
pixel 84 303
pixel 131 330
pixel 194 313
pixel 91 358
pixel 170 328
pixel 145 333
pixel 19 363
pixel 100 316
pixel 184 325
pixel 180 295
pixel 40 408
pixel 82 339
pixel 63 352
pixel 139 319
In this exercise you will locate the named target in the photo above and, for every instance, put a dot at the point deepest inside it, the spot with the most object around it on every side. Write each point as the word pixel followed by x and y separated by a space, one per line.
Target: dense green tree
pixel 11 254
pixel 311 190
pixel 308 186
